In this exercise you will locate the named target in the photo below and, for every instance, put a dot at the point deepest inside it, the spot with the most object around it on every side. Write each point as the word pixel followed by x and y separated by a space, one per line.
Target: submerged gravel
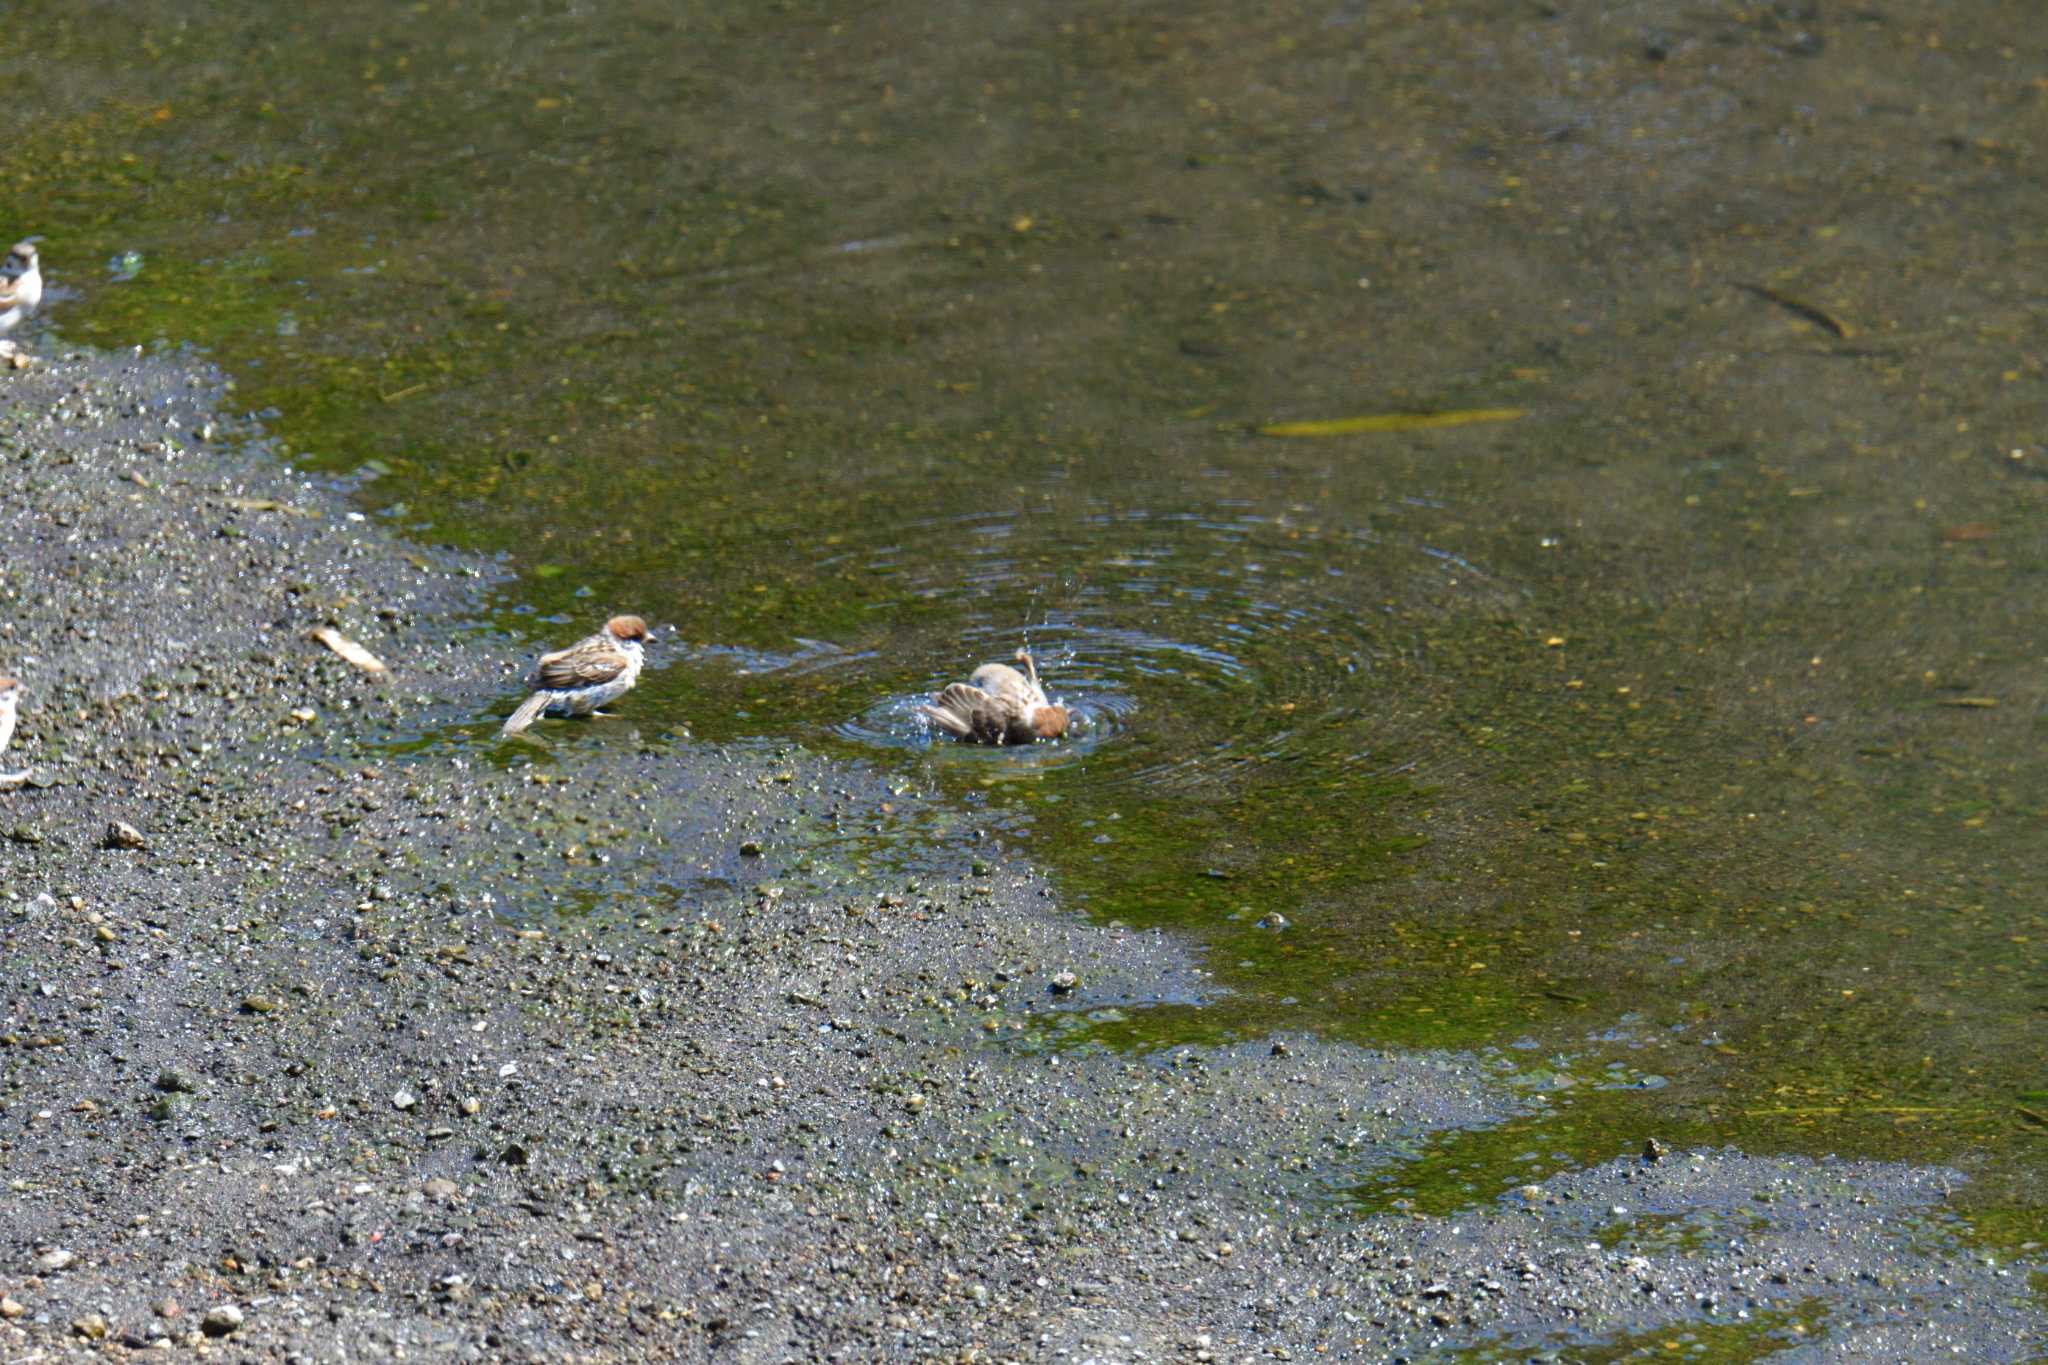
pixel 380 1037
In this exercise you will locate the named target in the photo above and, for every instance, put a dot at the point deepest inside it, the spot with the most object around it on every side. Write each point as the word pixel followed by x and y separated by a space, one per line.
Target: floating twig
pixel 1820 318
pixel 1391 421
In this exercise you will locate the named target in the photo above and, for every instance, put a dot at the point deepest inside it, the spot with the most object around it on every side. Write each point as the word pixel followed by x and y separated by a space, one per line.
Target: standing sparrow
pixel 10 705
pixel 998 705
pixel 577 680
pixel 21 285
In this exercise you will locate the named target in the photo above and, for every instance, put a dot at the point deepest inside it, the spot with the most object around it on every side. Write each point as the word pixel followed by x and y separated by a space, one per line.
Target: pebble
pixel 220 1321
pixel 440 1188
pixel 10 1307
pixel 403 1099
pixel 259 1004
pixel 121 834
pixel 1063 982
pixel 92 1326
pixel 178 1081
pixel 56 1258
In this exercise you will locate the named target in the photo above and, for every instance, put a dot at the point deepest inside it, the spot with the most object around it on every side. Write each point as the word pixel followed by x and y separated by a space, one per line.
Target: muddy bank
pixel 613 1045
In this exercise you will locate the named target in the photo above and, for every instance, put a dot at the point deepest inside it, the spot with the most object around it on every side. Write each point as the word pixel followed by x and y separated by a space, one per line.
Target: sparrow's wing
pixel 964 711
pixel 584 665
pixel 10 291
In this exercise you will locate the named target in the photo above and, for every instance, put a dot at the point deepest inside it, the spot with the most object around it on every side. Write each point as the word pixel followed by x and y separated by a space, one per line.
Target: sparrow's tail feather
pixel 528 712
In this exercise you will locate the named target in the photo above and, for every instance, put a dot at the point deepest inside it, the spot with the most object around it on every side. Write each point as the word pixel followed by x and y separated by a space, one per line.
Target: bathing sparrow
pixel 21 285
pixel 577 680
pixel 998 705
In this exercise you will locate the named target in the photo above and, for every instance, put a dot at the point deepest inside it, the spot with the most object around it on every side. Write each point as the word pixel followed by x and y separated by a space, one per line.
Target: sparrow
pixel 21 285
pixel 10 706
pixel 577 680
pixel 998 705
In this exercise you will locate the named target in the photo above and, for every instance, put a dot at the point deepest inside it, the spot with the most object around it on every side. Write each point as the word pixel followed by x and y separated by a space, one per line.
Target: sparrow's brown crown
pixel 627 628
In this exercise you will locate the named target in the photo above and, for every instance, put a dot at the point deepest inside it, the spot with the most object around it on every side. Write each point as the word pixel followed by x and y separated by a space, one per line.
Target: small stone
pixel 55 1259
pixel 1275 921
pixel 513 1155
pixel 1064 982
pixel 440 1188
pixel 1654 1150
pixel 1279 1048
pixel 178 1081
pixel 403 1099
pixel 220 1321
pixel 92 1326
pixel 471 1106
pixel 167 1308
pixel 121 834
pixel 10 1307
pixel 258 1004
pixel 751 849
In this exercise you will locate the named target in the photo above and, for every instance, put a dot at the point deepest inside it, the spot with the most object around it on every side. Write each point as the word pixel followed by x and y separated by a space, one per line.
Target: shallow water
pixel 1688 722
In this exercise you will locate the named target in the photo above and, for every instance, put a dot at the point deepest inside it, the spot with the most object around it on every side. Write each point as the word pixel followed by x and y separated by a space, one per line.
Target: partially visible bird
pixel 21 285
pixel 998 705
pixel 10 705
pixel 577 680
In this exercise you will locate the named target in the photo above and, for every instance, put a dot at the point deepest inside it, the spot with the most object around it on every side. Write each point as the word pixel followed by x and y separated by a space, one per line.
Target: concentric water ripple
pixel 1192 647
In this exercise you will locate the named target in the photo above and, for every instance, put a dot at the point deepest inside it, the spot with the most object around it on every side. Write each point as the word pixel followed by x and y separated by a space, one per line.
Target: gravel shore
pixel 374 1036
